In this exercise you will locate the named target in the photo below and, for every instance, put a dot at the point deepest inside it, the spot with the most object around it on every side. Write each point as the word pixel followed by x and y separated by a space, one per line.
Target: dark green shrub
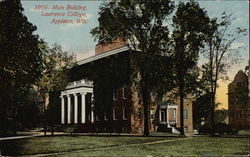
pixel 204 129
pixel 219 128
pixel 223 128
pixel 69 131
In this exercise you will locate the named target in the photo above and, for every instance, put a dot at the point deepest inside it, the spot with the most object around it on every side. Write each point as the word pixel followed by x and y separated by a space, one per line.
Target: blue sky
pixel 75 38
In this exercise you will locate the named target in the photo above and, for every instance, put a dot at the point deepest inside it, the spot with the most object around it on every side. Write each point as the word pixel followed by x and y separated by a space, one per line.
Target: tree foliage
pixel 141 25
pixel 55 75
pixel 20 59
pixel 55 78
pixel 221 56
pixel 189 24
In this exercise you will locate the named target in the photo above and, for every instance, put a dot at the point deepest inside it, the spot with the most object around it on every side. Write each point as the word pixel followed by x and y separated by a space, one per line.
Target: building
pixel 127 109
pixel 238 105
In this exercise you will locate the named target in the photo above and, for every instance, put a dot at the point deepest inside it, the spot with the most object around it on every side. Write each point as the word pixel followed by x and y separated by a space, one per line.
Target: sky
pixel 76 38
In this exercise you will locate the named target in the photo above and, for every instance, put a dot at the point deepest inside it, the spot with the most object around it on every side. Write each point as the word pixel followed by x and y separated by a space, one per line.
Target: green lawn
pixel 127 146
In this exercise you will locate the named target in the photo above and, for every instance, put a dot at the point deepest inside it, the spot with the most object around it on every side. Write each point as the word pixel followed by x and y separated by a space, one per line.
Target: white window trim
pixel 114 116
pixel 123 114
pixel 123 93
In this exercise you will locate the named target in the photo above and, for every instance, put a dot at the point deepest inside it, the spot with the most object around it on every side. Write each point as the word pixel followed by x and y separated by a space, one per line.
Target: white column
pixel 69 109
pixel 62 110
pixel 92 108
pixel 83 113
pixel 76 109
pixel 168 116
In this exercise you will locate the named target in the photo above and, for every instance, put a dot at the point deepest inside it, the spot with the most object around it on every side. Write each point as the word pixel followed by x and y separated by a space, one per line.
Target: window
pixel 185 128
pixel 152 114
pixel 97 118
pixel 185 114
pixel 105 117
pixel 124 93
pixel 124 114
pixel 114 94
pixel 115 114
pixel 174 114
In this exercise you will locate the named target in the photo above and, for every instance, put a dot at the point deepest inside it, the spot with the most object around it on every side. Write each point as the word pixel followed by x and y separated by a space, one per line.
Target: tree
pixel 189 24
pixel 220 56
pixel 20 59
pixel 54 79
pixel 28 109
pixel 142 25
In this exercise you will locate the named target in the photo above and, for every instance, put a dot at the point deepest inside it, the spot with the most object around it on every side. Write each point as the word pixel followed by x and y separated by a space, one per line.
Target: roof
pixel 103 55
pixel 167 103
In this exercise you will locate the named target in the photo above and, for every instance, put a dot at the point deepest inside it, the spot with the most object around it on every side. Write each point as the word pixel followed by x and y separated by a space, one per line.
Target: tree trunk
pixel 211 115
pixel 181 115
pixel 44 119
pixel 146 105
pixel 14 121
pixel 52 129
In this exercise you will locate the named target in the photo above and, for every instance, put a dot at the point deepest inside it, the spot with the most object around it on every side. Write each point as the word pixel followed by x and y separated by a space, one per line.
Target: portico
pixel 76 103
pixel 168 113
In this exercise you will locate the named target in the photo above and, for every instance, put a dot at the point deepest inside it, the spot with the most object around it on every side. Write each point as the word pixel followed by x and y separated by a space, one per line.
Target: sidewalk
pixel 22 135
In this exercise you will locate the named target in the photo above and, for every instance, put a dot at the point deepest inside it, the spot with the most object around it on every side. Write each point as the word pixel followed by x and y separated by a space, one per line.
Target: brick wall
pixel 238 113
pixel 100 48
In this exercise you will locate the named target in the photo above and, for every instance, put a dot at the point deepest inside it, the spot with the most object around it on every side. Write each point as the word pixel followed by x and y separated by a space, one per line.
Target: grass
pixel 127 146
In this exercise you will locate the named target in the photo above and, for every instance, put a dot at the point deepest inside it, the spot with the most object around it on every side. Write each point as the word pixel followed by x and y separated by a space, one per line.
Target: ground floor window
pixel 185 114
pixel 115 113
pixel 124 114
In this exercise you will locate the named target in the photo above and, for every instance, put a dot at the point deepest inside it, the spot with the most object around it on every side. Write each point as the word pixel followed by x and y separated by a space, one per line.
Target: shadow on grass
pixel 21 146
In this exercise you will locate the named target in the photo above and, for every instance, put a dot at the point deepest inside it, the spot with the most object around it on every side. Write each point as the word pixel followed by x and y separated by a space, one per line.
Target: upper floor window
pixel 124 93
pixel 115 114
pixel 114 94
pixel 105 116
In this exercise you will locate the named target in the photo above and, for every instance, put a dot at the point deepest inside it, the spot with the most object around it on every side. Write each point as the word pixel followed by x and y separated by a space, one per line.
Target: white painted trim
pixel 77 90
